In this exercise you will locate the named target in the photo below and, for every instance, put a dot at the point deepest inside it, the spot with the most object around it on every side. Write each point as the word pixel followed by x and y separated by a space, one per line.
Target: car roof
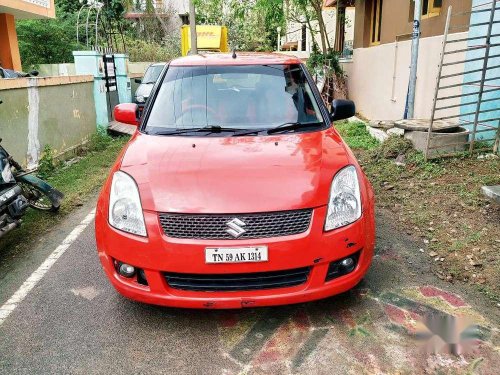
pixel 242 58
pixel 158 64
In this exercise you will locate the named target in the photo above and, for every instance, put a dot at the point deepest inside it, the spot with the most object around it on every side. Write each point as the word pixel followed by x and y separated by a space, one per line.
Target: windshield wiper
pixel 209 129
pixel 292 126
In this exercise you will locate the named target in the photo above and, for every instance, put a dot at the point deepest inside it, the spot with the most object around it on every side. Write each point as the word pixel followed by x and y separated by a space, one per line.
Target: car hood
pixel 234 174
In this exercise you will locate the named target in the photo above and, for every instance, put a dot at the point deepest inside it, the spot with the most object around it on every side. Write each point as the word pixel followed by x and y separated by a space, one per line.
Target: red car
pixel 236 190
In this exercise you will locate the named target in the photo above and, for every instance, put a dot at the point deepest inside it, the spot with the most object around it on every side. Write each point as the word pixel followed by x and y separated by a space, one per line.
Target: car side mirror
pixel 137 80
pixel 34 73
pixel 127 113
pixel 342 109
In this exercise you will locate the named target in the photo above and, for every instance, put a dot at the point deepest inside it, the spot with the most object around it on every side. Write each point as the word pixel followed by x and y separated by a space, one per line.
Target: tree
pixel 251 23
pixel 310 12
pixel 317 5
pixel 157 24
pixel 274 17
pixel 300 11
pixel 47 41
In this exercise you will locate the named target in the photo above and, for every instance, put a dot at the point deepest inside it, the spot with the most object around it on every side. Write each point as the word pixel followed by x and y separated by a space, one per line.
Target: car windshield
pixel 243 97
pixel 152 73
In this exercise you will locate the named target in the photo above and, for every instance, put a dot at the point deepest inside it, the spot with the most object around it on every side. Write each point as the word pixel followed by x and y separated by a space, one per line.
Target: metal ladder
pixel 444 102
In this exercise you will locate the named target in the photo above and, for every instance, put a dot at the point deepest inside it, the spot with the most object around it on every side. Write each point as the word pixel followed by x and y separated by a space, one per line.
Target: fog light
pixel 342 267
pixel 347 262
pixel 126 270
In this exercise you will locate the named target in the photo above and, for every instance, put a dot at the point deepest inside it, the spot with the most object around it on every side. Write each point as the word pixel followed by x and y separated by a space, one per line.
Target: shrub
pixel 47 164
pixel 392 147
pixel 317 59
pixel 100 140
pixel 141 50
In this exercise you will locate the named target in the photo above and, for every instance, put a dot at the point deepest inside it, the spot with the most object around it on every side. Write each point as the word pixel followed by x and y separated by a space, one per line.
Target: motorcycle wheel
pixel 37 199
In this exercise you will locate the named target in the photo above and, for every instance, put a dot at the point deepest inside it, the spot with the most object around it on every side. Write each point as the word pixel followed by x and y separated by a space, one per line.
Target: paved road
pixel 73 321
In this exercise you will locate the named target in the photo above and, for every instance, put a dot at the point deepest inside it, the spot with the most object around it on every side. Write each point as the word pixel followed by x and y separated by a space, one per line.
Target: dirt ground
pixel 441 205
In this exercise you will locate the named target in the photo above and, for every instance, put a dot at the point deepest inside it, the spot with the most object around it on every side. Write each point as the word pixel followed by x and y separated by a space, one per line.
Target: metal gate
pixel 110 83
pixel 467 93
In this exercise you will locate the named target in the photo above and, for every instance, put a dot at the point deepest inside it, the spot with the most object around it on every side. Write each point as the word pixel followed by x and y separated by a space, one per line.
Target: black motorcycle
pixel 19 189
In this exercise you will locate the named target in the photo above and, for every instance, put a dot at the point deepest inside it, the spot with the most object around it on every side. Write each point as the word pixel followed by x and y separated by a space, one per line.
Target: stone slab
pixel 396 131
pixel 378 134
pixel 440 142
pixel 381 124
pixel 423 124
pixel 492 192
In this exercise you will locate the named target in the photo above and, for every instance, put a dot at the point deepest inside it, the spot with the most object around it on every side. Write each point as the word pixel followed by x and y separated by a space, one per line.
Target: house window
pixel 430 8
pixel 376 22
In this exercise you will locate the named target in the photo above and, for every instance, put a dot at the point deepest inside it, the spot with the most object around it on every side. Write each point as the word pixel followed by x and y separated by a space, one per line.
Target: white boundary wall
pixel 378 77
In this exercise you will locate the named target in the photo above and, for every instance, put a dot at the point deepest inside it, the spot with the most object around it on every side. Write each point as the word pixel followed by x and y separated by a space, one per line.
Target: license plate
pixel 236 254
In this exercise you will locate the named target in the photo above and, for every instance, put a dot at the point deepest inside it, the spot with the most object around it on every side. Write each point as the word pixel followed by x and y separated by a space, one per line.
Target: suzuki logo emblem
pixel 235 227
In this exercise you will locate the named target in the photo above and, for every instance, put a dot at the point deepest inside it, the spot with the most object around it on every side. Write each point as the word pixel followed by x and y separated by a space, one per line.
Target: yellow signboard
pixel 210 38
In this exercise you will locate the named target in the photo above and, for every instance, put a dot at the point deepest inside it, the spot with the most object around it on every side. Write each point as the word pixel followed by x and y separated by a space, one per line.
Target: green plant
pixel 100 140
pixel 356 135
pixel 392 147
pixel 142 50
pixel 47 164
pixel 252 24
pixel 317 60
pixel 47 41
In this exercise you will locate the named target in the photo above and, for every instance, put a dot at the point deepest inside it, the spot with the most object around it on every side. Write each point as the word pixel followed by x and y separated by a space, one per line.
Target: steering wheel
pixel 195 108
pixel 198 107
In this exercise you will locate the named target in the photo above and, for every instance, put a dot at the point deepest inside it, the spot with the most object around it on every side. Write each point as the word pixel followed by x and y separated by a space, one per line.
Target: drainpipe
pixel 414 59
pixel 192 26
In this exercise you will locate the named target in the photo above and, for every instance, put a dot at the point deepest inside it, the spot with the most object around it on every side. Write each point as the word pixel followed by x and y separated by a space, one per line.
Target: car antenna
pixel 234 54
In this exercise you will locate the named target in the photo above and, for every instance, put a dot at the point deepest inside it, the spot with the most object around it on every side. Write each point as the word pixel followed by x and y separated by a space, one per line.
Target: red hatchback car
pixel 236 190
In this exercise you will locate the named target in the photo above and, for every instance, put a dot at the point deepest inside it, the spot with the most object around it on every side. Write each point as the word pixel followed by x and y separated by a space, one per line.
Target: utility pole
pixel 415 38
pixel 192 27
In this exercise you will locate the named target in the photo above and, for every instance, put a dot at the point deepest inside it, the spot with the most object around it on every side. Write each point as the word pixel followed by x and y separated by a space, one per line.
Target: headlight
pixel 140 99
pixel 125 210
pixel 344 206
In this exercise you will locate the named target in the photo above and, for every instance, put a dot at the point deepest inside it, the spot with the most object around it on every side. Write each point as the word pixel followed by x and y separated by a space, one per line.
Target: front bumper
pixel 158 253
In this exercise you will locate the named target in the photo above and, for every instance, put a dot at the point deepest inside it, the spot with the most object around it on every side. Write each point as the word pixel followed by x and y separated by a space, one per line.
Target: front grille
pixel 214 226
pixel 237 281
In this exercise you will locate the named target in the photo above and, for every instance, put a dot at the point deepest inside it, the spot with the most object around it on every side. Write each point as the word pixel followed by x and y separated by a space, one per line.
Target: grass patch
pixel 439 202
pixel 76 180
pixel 355 135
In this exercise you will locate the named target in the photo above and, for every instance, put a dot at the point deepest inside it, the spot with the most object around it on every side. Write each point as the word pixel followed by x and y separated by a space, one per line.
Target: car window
pixel 2 73
pixel 152 74
pixel 247 97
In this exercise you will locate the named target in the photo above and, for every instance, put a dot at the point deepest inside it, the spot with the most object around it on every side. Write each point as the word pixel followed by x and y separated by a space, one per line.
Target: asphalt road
pixel 73 321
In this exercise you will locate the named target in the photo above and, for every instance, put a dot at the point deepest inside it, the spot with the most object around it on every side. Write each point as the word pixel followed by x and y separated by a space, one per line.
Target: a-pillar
pixel 90 62
pixel 9 49
pixel 122 79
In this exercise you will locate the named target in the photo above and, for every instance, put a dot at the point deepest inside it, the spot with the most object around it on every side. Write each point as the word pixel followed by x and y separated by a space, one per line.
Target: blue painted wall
pixel 122 79
pixel 90 62
pixel 493 74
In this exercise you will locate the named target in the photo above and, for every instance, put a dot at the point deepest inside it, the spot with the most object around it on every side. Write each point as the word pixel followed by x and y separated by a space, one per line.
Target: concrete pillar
pixel 9 49
pixel 122 80
pixel 90 62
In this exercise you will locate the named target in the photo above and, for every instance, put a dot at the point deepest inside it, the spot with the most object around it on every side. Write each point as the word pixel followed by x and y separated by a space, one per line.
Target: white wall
pixel 349 27
pixel 378 78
